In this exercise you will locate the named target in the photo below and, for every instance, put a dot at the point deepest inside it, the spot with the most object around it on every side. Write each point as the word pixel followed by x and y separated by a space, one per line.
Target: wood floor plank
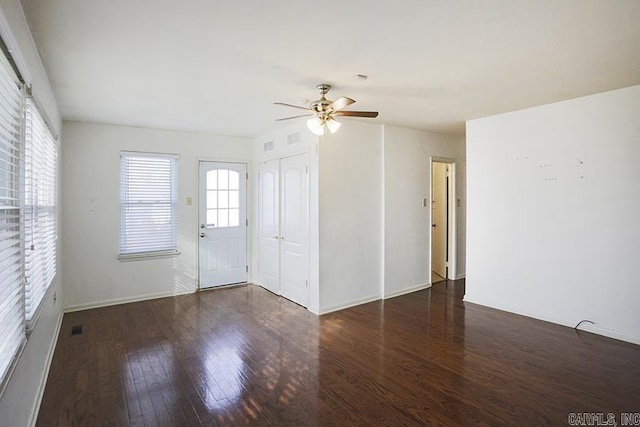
pixel 243 356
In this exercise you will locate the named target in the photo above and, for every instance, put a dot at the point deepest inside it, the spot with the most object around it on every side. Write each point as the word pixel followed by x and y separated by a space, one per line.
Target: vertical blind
pixel 12 326
pixel 148 203
pixel 39 210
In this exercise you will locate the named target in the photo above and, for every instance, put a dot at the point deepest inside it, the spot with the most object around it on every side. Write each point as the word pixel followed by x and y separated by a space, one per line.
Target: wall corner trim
pixel 348 304
pixel 117 301
pixel 408 290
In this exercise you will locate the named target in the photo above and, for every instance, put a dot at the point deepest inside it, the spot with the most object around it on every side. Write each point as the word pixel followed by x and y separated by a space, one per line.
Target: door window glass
pixel 223 198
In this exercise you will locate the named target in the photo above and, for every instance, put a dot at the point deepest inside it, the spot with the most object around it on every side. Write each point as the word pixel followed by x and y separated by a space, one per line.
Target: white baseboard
pixel 609 333
pixel 563 321
pixel 314 310
pixel 124 300
pixel 348 304
pixel 265 288
pixel 460 276
pixel 408 290
pixel 45 374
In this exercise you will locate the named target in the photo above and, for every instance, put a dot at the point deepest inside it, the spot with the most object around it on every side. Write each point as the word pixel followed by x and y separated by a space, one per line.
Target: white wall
pixel 350 212
pixel 373 237
pixel 21 398
pixel 407 181
pixel 553 229
pixel 93 275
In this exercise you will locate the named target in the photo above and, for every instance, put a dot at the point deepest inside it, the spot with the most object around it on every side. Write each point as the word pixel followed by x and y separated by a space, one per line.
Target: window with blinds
pixel 148 204
pixel 12 320
pixel 40 224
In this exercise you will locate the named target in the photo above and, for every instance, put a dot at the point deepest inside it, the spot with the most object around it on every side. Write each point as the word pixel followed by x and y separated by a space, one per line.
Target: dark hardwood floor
pixel 241 355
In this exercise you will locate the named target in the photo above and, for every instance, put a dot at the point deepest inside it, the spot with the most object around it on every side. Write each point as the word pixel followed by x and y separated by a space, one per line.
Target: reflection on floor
pixel 243 356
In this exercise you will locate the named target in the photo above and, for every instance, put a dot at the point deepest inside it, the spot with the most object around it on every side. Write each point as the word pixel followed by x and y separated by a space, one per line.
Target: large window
pixel 148 204
pixel 40 222
pixel 28 225
pixel 12 321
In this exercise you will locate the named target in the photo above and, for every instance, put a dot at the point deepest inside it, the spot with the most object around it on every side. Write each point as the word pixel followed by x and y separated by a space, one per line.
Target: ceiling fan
pixel 325 111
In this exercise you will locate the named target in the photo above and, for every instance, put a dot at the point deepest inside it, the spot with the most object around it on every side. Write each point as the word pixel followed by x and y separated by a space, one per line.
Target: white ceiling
pixel 218 66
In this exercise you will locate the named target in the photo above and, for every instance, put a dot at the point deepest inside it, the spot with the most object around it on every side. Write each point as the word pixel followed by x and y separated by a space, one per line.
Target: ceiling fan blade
pixel 294 117
pixel 291 105
pixel 370 114
pixel 340 103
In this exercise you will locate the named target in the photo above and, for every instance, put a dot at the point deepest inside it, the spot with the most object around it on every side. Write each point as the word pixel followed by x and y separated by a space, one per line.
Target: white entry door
pixel 269 225
pixel 294 229
pixel 223 224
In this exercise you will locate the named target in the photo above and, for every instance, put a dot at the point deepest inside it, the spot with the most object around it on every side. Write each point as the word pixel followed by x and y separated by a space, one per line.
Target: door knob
pixel 433 225
pixel 275 237
pixel 201 234
pixel 201 225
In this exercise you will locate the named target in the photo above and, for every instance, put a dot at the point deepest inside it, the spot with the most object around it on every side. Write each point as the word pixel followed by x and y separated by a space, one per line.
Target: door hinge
pixel 306 169
pixel 247 175
pixel 247 269
pixel 247 221
pixel 306 283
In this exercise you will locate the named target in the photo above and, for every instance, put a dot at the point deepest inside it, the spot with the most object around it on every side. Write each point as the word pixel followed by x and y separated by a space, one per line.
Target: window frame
pixel 13 325
pixel 127 252
pixel 214 191
pixel 40 197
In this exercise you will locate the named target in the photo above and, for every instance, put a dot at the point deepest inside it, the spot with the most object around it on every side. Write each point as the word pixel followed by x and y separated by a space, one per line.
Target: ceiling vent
pixel 294 138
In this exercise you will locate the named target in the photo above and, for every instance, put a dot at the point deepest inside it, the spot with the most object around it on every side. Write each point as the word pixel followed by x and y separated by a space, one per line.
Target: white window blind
pixel 148 203
pixel 40 224
pixel 12 326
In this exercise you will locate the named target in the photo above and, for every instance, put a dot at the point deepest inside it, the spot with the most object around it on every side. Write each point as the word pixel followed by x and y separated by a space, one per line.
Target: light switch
pixel 189 201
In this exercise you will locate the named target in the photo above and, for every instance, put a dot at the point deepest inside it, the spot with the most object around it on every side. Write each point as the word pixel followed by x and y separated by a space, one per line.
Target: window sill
pixel 147 255
pixel 30 324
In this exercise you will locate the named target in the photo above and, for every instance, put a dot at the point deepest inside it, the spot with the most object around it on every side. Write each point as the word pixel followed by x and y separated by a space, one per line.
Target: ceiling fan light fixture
pixel 333 125
pixel 316 126
pixel 324 111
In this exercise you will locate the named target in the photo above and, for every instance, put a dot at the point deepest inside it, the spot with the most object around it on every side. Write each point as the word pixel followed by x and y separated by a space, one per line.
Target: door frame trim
pixel 452 218
pixel 196 231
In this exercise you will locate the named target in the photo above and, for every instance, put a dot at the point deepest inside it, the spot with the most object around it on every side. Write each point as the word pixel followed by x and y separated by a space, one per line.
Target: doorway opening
pixel 443 220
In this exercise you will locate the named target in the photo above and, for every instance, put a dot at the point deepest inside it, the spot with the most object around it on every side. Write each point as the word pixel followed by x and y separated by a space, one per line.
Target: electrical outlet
pixel 189 201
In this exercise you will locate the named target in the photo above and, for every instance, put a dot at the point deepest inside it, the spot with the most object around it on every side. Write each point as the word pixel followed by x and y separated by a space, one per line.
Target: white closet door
pixel 269 225
pixel 294 229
